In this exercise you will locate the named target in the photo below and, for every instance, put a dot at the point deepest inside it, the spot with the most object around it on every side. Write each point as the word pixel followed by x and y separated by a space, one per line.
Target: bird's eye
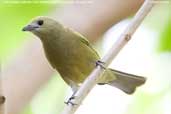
pixel 40 22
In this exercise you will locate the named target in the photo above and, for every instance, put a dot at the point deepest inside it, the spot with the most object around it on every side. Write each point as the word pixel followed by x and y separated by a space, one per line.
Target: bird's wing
pixel 83 40
pixel 86 42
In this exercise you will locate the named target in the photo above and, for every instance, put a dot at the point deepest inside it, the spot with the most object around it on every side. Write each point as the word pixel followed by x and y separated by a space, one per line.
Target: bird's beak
pixel 30 27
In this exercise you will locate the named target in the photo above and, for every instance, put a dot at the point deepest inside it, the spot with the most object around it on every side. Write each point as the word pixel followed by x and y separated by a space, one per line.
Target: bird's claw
pixel 70 101
pixel 72 97
pixel 101 64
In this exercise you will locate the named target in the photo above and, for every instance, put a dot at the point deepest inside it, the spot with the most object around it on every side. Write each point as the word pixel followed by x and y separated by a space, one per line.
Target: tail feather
pixel 126 82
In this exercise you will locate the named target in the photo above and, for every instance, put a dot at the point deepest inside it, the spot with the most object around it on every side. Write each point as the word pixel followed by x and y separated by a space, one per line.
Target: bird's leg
pixel 70 99
pixel 72 96
pixel 74 88
pixel 101 64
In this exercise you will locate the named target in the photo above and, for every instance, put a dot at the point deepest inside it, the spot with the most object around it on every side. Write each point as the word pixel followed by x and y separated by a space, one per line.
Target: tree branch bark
pixel 92 79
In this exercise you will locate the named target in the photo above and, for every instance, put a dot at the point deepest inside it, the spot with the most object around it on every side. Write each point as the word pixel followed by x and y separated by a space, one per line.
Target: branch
pixel 92 79
pixel 2 98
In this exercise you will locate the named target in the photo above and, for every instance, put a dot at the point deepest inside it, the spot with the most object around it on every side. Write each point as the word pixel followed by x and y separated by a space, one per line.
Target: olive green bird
pixel 74 58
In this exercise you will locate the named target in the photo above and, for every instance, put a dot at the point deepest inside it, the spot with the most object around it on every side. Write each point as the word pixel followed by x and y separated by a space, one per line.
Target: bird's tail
pixel 124 81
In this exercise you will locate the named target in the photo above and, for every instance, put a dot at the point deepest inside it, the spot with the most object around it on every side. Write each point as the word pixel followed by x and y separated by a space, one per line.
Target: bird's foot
pixel 70 101
pixel 101 64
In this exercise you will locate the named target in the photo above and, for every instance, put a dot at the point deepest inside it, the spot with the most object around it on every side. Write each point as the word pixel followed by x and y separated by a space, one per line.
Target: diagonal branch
pixel 92 79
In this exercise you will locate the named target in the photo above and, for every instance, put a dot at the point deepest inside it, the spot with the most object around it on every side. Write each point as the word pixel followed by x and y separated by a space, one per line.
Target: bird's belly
pixel 76 69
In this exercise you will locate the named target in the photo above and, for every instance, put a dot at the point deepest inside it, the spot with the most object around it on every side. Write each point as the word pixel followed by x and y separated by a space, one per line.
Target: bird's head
pixel 42 26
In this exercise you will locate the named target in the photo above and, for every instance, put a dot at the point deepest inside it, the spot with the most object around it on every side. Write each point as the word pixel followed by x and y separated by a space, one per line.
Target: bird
pixel 71 54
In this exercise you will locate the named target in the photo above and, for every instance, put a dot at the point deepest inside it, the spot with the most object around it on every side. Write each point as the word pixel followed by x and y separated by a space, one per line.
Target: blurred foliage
pixel 165 38
pixel 159 20
pixel 147 103
pixel 12 18
pixel 50 100
pixel 28 110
